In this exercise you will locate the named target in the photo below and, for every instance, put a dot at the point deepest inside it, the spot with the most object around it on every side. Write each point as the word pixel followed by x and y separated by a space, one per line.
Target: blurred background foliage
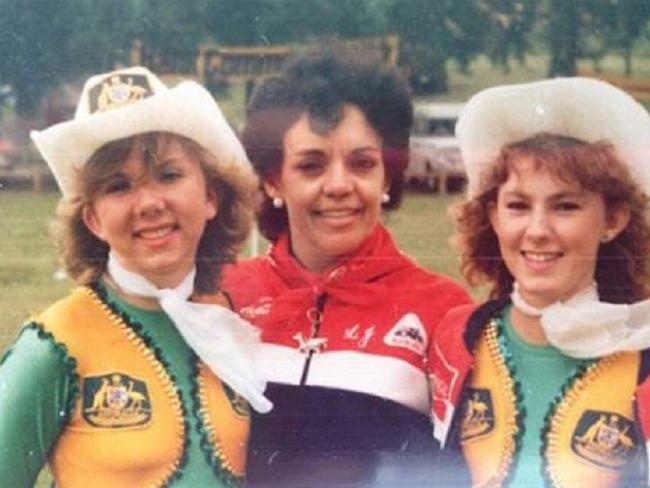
pixel 44 43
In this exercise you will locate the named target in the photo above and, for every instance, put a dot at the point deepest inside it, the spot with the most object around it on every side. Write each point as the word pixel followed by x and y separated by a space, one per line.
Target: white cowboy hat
pixel 131 101
pixel 584 108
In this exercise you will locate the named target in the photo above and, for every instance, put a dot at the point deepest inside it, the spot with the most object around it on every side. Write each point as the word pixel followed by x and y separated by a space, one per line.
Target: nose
pixel 149 199
pixel 539 225
pixel 338 180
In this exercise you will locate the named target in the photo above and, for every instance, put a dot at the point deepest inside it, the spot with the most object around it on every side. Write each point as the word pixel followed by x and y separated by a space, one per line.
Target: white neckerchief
pixel 223 340
pixel 585 327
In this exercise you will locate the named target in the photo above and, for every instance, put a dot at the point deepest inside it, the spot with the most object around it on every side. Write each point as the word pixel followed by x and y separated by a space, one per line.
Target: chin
pixel 160 269
pixel 340 246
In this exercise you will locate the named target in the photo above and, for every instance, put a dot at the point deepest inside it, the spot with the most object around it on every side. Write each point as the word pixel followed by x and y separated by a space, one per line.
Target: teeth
pixel 156 233
pixel 539 257
pixel 337 213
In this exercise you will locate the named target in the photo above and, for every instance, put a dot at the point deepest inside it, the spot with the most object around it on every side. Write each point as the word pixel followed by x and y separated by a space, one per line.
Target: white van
pixel 434 148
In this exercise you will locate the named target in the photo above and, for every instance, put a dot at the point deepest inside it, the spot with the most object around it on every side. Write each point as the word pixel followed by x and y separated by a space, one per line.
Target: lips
pixel 541 260
pixel 155 233
pixel 338 218
pixel 337 212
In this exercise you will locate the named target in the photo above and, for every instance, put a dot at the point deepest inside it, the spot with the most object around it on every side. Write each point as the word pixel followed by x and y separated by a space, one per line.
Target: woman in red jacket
pixel 346 318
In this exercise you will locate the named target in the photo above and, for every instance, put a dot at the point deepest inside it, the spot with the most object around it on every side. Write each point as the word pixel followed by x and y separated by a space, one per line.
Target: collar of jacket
pixel 377 256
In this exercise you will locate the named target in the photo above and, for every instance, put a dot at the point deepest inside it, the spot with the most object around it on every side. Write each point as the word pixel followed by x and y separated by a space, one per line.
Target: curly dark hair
pixel 623 267
pixel 319 85
pixel 85 256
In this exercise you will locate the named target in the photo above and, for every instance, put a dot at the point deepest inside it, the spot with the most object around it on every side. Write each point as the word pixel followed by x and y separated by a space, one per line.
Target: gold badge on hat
pixel 118 90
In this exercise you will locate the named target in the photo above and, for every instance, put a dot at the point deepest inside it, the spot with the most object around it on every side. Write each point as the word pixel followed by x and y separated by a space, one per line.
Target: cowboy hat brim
pixel 584 108
pixel 187 109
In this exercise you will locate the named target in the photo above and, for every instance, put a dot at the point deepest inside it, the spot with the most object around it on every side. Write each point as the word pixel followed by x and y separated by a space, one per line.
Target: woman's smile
pixel 332 185
pixel 155 233
pixel 541 261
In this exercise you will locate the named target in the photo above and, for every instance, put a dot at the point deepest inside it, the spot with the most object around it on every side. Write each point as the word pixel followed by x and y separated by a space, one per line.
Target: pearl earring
pixel 278 202
pixel 385 198
pixel 605 238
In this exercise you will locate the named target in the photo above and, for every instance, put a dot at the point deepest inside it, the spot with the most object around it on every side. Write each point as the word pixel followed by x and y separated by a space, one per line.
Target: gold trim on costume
pixel 491 454
pixel 163 376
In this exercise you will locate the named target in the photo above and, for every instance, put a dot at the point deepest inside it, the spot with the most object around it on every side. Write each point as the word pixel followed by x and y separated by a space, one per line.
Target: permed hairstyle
pixel 320 85
pixel 85 256
pixel 622 269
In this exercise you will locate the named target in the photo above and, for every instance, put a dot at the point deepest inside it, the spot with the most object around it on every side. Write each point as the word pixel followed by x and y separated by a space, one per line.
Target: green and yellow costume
pixel 94 383
pixel 514 414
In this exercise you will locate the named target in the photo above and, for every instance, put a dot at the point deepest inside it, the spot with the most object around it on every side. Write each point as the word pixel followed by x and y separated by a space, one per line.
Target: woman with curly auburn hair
pixel 142 375
pixel 546 384
pixel 622 269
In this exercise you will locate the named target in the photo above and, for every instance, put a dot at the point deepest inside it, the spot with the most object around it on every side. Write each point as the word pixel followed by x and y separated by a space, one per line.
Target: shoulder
pixel 453 324
pixel 77 302
pixel 246 280
pixel 81 318
pixel 461 325
pixel 36 361
pixel 435 289
pixel 37 347
pixel 439 282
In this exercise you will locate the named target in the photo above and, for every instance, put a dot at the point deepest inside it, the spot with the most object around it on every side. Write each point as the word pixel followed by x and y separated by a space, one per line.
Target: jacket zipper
pixel 315 316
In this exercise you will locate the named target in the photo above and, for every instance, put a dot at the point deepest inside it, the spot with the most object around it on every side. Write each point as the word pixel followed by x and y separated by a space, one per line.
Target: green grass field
pixel 29 259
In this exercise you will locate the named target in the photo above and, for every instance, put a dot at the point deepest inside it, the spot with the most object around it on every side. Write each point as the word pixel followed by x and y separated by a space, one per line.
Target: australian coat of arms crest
pixel 115 400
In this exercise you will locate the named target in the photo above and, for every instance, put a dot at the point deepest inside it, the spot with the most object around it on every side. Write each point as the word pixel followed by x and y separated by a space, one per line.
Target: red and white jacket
pixel 369 321
pixel 345 356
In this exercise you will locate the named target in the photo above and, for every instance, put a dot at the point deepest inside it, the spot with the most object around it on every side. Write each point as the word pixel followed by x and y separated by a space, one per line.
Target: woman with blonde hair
pixel 131 380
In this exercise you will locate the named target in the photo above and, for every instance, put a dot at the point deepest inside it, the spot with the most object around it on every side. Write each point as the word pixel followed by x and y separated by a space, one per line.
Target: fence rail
pixel 638 88
pixel 35 177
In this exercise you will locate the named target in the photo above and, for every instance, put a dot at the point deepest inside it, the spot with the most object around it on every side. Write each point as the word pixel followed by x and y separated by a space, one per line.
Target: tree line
pixel 46 42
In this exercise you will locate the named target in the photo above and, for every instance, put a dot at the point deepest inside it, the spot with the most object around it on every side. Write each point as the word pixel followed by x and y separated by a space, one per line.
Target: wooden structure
pixel 34 176
pixel 239 63
pixel 252 64
pixel 638 88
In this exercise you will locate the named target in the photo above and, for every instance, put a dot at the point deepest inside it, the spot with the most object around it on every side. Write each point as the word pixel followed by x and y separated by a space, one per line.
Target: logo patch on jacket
pixel 409 333
pixel 478 414
pixel 115 400
pixel 605 438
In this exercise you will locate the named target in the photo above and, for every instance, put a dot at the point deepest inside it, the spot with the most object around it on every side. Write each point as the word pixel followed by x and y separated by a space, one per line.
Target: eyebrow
pixel 367 149
pixel 554 196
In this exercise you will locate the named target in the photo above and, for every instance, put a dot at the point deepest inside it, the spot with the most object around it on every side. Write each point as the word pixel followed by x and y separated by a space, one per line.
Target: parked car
pixel 434 149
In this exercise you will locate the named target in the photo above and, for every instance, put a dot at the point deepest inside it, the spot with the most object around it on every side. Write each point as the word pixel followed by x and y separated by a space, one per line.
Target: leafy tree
pixel 35 39
pixel 591 28
pixel 431 34
pixel 170 32
pixel 509 23
pixel 563 36
pixel 631 19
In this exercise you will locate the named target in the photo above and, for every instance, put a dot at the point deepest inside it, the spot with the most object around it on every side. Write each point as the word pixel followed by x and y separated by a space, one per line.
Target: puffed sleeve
pixel 36 386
